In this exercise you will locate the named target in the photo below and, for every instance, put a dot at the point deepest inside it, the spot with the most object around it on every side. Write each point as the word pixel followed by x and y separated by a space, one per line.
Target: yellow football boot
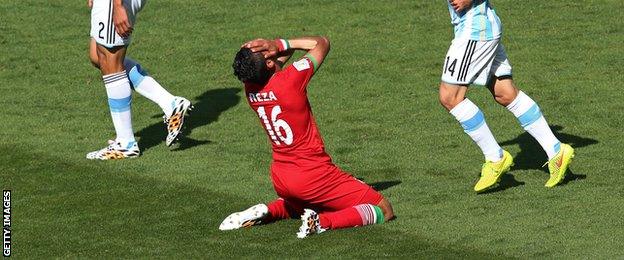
pixel 558 165
pixel 491 172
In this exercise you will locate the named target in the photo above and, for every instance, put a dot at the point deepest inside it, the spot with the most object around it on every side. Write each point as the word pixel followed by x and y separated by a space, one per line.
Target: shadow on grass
pixel 379 185
pixel 531 155
pixel 570 176
pixel 507 181
pixel 207 108
pixel 382 185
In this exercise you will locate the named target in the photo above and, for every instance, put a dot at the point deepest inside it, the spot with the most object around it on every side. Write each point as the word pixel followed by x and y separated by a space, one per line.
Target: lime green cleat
pixel 558 165
pixel 492 172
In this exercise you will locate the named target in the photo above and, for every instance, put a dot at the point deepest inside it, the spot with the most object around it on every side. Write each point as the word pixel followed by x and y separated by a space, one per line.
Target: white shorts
pixel 102 26
pixel 475 62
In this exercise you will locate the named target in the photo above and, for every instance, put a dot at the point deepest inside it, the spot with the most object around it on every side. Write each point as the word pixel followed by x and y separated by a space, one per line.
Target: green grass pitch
pixel 375 100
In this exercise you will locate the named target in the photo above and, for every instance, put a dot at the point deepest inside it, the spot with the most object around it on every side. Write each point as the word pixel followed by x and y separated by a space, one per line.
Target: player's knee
pixel 451 95
pixel 93 54
pixel 504 98
pixel 449 101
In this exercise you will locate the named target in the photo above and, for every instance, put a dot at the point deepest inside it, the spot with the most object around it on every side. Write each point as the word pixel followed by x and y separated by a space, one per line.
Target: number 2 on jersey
pixel 101 24
pixel 275 126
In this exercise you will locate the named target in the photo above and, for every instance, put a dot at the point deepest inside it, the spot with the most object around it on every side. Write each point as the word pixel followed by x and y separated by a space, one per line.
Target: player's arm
pixel 120 19
pixel 460 5
pixel 284 56
pixel 317 48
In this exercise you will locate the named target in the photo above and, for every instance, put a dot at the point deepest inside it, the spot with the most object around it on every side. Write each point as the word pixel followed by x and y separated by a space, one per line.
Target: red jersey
pixel 284 111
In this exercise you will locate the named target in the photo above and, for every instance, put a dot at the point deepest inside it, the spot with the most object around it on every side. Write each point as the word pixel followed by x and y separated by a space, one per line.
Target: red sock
pixel 359 215
pixel 281 209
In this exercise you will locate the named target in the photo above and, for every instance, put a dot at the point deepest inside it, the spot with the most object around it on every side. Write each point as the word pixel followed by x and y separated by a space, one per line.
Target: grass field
pixel 375 100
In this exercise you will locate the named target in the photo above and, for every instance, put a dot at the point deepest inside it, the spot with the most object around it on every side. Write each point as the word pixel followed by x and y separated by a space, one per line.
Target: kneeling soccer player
pixel 307 182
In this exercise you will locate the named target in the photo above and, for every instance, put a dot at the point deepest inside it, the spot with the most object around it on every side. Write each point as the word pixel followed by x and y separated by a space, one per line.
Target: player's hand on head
pixel 122 23
pixel 267 47
pixel 256 45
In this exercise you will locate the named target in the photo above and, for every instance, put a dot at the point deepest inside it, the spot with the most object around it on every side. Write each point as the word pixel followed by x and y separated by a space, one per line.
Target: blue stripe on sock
pixel 557 147
pixel 119 105
pixel 530 116
pixel 130 144
pixel 173 103
pixel 474 123
pixel 136 75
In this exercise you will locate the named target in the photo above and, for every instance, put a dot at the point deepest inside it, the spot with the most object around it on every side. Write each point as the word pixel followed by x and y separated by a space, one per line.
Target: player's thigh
pixel 280 184
pixel 102 25
pixel 457 61
pixel 347 191
pixel 501 67
pixel 111 59
pixel 93 54
pixel 489 62
pixel 469 62
pixel 501 83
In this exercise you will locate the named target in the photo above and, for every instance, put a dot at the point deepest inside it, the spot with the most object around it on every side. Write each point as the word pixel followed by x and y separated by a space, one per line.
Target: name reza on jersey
pixel 262 97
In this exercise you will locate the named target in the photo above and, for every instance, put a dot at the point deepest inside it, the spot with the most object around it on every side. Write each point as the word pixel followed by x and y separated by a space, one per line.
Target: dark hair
pixel 250 67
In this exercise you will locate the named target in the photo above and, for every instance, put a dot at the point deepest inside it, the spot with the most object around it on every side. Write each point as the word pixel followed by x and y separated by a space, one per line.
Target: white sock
pixel 148 87
pixel 119 100
pixel 532 120
pixel 473 122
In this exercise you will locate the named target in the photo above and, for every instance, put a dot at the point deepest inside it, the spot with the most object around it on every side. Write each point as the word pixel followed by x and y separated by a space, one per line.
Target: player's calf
pixel 359 215
pixel 503 90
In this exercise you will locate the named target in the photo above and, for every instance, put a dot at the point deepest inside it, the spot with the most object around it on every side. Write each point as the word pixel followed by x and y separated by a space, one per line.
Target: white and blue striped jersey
pixel 479 23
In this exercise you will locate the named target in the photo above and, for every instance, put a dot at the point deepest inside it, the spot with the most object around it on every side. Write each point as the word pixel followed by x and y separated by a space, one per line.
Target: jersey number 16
pixel 275 126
